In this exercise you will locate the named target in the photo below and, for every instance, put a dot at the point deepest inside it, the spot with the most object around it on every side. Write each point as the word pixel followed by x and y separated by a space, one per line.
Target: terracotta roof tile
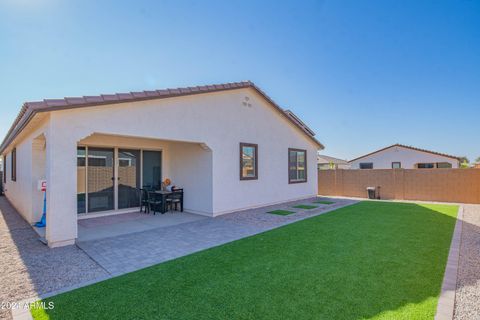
pixel 194 89
pixel 140 94
pixel 55 102
pixel 93 99
pixel 37 104
pixel 75 100
pixel 124 96
pixel 162 92
pixel 109 97
pixel 151 93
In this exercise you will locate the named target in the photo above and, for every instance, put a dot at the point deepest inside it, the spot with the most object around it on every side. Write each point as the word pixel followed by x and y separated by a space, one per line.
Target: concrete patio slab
pixel 117 225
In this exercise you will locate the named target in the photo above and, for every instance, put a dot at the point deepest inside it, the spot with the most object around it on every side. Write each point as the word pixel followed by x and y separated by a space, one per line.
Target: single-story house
pixel 327 163
pixel 229 146
pixel 401 156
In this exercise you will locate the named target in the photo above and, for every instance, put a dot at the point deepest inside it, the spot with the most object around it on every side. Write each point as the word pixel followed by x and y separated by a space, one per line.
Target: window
pixel 396 165
pixel 14 164
pixel 425 165
pixel 444 165
pixel 366 165
pixel 81 179
pixel 297 165
pixel 248 161
pixel 4 169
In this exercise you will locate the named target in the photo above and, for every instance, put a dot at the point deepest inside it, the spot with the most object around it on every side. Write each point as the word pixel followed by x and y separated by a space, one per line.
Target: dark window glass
pixel 81 180
pixel 425 166
pixel 100 179
pixel 366 165
pixel 128 178
pixel 248 161
pixel 152 169
pixel 14 164
pixel 297 165
pixel 445 165
pixel 396 165
pixel 4 169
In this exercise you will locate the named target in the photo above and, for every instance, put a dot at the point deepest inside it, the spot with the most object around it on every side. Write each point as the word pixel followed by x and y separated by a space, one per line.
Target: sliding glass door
pixel 109 178
pixel 152 169
pixel 81 180
pixel 128 178
pixel 100 179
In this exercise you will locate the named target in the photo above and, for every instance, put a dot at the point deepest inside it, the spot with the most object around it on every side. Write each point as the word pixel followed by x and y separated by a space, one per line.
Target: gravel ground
pixel 29 268
pixel 467 297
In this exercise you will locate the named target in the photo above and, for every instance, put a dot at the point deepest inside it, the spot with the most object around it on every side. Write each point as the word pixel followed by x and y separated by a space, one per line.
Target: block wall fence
pixel 444 185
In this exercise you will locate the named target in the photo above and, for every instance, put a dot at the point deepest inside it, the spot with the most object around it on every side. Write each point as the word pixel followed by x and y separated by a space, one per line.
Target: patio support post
pixel 61 176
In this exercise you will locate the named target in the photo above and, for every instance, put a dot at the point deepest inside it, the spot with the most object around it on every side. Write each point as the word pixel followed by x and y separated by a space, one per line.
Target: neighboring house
pixel 229 146
pixel 402 156
pixel 327 163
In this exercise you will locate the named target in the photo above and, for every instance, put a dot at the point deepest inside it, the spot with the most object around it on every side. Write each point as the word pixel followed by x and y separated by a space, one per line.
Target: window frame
pixel 438 165
pixel 255 160
pixel 13 159
pixel 399 164
pixel 360 165
pixel 290 181
pixel 425 163
pixel 4 168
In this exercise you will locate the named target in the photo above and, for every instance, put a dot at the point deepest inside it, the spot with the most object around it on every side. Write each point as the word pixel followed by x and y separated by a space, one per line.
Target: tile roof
pixel 29 109
pixel 408 147
pixel 321 158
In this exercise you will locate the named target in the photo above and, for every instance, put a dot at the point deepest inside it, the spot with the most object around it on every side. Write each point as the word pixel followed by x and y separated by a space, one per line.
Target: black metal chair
pixel 144 200
pixel 175 199
pixel 154 202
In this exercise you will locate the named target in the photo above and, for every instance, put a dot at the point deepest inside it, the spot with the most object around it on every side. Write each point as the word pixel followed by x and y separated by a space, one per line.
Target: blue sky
pixel 362 74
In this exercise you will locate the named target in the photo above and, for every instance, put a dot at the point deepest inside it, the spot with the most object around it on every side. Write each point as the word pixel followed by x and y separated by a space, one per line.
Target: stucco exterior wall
pixel 219 120
pixel 22 193
pixel 191 169
pixel 408 157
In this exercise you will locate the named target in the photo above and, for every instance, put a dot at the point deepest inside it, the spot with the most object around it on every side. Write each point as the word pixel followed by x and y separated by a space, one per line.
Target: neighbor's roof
pixel 29 109
pixel 408 147
pixel 327 159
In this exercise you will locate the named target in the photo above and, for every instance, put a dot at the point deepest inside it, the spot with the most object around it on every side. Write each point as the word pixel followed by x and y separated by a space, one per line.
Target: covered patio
pixel 109 174
pixel 112 170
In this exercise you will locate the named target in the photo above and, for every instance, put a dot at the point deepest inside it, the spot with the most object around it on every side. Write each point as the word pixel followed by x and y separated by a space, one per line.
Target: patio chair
pixel 175 199
pixel 154 202
pixel 144 200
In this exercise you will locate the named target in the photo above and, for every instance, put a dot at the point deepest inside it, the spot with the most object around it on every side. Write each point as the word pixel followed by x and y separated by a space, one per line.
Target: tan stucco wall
pixel 447 185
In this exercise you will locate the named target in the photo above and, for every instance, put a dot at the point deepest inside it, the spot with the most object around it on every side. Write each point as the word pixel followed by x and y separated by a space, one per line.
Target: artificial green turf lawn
pixel 323 202
pixel 304 206
pixel 281 212
pixel 371 260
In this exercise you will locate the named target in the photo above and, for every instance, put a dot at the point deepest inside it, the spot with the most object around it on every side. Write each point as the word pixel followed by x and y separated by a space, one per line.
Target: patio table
pixel 163 194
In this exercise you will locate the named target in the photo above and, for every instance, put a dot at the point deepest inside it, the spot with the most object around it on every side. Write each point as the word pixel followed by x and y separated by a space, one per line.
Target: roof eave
pixel 29 109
